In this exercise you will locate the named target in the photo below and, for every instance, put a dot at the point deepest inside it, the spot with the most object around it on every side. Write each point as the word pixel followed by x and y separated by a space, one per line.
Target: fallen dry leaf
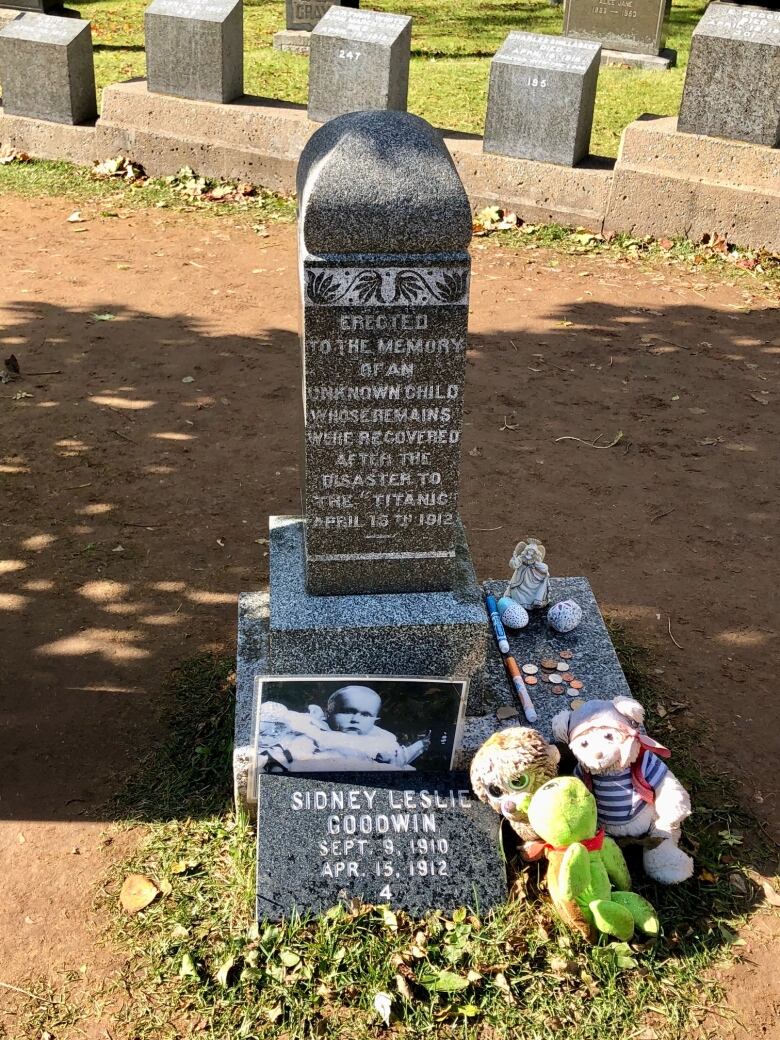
pixel 138 891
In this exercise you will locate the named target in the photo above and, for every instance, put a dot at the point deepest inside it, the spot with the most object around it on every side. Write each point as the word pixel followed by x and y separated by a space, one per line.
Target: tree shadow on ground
pixel 139 480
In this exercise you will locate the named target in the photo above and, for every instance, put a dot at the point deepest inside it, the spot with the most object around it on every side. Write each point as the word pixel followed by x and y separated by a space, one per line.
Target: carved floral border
pixel 387 286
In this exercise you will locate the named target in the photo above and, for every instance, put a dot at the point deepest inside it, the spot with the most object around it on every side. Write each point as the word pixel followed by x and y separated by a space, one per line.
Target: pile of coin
pixel 556 671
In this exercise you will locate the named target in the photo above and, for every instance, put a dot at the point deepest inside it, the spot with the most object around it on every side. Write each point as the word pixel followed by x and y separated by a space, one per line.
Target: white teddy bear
pixel 636 793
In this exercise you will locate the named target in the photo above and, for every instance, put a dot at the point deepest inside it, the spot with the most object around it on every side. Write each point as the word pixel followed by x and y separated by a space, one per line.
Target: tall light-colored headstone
pixel 195 49
pixel 47 69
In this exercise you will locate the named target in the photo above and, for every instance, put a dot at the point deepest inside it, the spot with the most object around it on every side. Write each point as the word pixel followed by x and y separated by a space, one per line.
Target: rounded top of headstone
pixel 380 182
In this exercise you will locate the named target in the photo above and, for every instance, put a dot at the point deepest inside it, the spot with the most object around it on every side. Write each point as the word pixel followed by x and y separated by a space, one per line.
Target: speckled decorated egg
pixel 564 616
pixel 512 614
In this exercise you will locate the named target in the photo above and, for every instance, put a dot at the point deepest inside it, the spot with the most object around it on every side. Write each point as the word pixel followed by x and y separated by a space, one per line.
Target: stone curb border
pixel 663 183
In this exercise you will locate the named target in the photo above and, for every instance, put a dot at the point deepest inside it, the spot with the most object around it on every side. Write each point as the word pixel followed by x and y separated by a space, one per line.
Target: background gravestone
pixel 625 26
pixel 732 85
pixel 541 98
pixel 385 280
pixel 47 69
pixel 195 49
pixel 41 6
pixel 418 842
pixel 358 60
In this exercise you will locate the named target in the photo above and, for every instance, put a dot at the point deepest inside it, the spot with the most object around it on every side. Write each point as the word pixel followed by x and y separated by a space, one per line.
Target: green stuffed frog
pixel 585 863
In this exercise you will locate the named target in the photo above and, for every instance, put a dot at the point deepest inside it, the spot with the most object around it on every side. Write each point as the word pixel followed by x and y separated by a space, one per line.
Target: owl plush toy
pixel 506 771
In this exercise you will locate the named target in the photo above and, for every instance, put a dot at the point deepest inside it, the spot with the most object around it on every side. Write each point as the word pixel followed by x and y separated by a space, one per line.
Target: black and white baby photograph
pixel 346 723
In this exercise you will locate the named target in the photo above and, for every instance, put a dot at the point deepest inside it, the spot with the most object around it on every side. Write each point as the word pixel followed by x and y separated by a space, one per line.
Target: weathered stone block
pixel 414 633
pixel 732 85
pixel 638 26
pixel 541 98
pixel 47 69
pixel 358 60
pixel 195 48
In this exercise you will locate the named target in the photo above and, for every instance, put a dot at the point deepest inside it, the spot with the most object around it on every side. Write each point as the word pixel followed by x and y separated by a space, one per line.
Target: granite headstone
pixel 195 49
pixel 415 842
pixel 358 60
pixel 541 98
pixel 304 14
pixel 732 85
pixel 635 26
pixel 47 69
pixel 384 222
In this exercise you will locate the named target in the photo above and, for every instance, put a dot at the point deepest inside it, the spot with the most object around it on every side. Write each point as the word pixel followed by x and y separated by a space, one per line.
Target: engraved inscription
pixel 541 52
pixel 355 840
pixel 753 25
pixel 383 439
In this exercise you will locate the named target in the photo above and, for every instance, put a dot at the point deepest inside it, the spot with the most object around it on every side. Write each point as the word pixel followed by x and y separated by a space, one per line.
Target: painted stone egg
pixel 512 614
pixel 564 616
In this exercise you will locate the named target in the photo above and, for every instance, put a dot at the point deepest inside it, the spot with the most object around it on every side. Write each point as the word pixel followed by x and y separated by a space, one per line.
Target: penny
pixel 557 691
pixel 567 677
pixel 555 678
pixel 530 680
pixel 575 684
pixel 576 704
pixel 506 713
pixel 530 669
pixel 545 677
pixel 549 662
pixel 562 666
pixel 567 654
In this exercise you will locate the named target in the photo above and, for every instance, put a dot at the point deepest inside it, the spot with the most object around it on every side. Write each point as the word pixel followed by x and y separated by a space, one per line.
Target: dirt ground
pixel 138 470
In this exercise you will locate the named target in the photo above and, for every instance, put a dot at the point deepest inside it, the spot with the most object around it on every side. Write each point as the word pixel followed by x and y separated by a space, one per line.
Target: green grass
pixel 195 961
pixel 452 43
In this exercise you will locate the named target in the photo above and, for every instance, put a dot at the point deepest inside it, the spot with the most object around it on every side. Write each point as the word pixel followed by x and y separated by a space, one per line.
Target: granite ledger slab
pixel 417 843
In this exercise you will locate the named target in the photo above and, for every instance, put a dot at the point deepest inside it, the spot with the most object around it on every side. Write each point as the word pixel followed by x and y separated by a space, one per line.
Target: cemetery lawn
pixel 152 428
pixel 452 43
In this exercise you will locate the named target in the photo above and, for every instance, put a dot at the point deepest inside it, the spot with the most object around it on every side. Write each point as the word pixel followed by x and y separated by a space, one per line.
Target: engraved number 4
pixel 386 893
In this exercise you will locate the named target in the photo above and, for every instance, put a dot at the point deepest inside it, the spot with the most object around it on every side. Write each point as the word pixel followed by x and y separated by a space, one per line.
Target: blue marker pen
pixel 498 628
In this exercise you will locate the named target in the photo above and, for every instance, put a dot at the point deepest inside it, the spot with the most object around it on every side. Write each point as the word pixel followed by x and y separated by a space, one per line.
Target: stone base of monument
pixel 667 59
pixel 669 183
pixel 256 140
pixel 539 192
pixel 45 140
pixel 293 41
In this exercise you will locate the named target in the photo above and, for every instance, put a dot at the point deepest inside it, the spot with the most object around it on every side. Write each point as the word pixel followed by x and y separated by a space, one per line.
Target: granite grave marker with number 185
pixel 541 98
pixel 418 842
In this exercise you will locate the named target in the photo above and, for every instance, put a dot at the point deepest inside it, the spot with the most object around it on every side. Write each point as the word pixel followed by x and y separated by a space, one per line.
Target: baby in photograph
pixel 343 736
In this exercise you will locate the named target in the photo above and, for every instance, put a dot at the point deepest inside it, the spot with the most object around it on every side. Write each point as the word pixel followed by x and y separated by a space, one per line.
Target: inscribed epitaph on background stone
pixel 418 842
pixel 541 98
pixel 358 60
pixel 195 49
pixel 304 14
pixel 47 69
pixel 384 222
pixel 732 84
pixel 636 26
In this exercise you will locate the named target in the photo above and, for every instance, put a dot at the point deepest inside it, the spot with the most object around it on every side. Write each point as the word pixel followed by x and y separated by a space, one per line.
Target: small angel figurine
pixel 530 584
